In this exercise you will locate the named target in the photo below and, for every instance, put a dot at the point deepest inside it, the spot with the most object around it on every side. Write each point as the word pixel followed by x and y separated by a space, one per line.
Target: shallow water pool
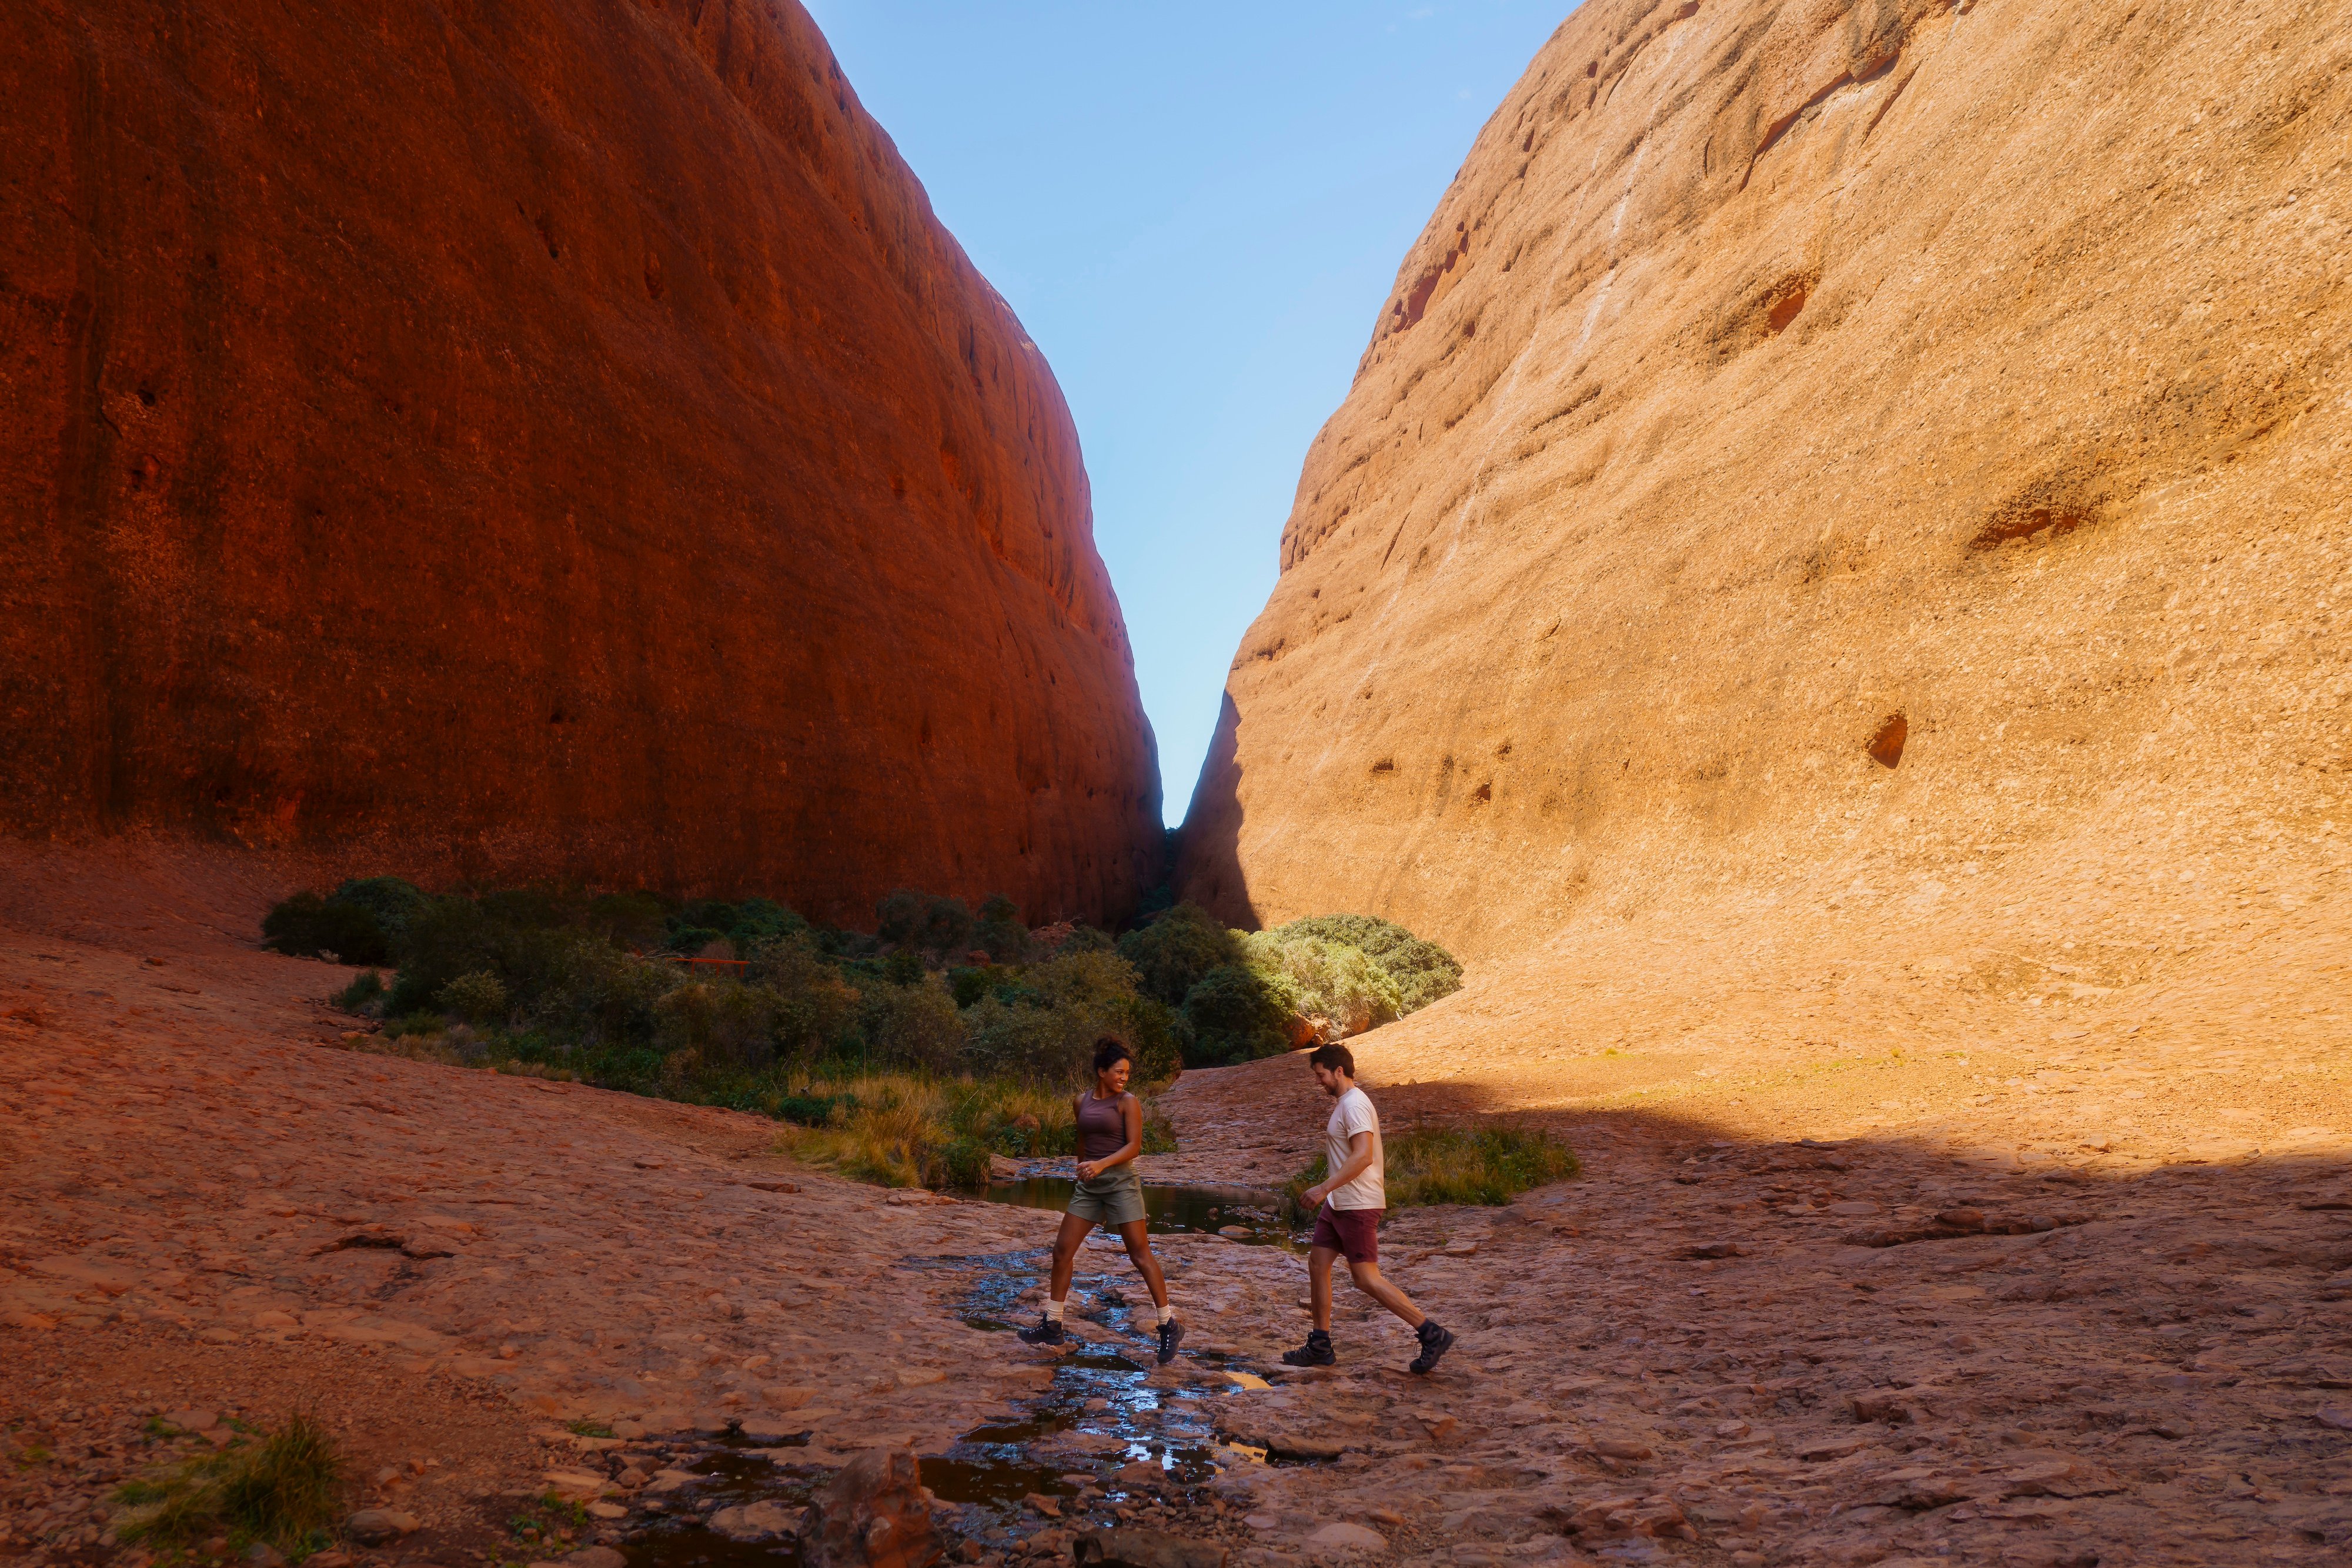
pixel 1172 1210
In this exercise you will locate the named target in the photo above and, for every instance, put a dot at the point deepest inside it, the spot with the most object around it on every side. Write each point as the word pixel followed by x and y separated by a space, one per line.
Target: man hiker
pixel 1349 1203
pixel 1109 1193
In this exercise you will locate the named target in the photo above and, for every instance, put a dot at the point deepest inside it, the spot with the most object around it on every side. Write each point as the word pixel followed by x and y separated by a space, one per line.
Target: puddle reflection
pixel 1058 1447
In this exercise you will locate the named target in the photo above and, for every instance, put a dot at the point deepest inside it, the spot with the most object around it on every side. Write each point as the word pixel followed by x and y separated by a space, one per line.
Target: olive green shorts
pixel 1113 1199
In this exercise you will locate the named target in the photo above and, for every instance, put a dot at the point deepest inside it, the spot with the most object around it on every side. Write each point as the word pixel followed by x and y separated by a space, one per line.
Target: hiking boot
pixel 1315 1352
pixel 1171 1334
pixel 1435 1342
pixel 1047 1332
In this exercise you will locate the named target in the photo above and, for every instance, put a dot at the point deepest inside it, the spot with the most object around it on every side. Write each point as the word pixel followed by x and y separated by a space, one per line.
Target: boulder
pixel 1345 1537
pixel 874 1513
pixel 378 1526
pixel 761 1520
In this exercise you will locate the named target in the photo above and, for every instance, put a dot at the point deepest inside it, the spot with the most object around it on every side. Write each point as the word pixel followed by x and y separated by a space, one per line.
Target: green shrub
pixel 447 938
pixel 899 915
pixel 480 998
pixel 1081 979
pixel 1423 971
pixel 309 927
pixel 601 996
pixel 1159 1035
pixel 816 1009
pixel 968 985
pixel 760 921
pixel 913 1026
pixel 542 981
pixel 1324 980
pixel 811 1110
pixel 723 1024
pixel 1084 939
pixel 393 902
pixel 1238 1015
pixel 1000 932
pixel 633 920
pixel 1175 952
pixel 362 995
pixel 947 927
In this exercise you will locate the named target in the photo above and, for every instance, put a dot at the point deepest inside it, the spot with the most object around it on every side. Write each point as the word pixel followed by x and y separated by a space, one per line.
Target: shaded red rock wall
pixel 539 439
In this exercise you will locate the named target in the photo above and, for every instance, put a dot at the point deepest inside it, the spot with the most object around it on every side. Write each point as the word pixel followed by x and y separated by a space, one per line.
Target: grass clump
pixel 1487 1166
pixel 911 1130
pixel 284 1489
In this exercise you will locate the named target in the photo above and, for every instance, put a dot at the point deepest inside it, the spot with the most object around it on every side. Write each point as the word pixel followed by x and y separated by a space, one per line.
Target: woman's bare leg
pixel 1065 1254
pixel 1139 1250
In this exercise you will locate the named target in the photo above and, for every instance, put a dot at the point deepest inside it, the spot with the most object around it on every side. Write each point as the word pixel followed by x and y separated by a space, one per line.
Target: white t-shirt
pixel 1354 1114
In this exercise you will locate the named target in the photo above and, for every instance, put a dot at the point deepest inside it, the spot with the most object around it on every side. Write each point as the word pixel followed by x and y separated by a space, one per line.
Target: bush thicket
pixel 1250 994
pixel 1173 953
pixel 558 981
pixel 1423 971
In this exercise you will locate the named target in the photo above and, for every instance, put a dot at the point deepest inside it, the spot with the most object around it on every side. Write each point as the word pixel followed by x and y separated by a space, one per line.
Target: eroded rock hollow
pixel 541 440
pixel 1844 503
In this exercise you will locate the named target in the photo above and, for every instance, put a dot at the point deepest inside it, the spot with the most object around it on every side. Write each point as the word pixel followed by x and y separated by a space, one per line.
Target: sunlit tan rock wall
pixel 539 439
pixel 1772 370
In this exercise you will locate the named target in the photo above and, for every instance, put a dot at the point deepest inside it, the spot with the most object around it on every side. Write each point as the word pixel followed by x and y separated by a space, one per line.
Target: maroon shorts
pixel 1355 1233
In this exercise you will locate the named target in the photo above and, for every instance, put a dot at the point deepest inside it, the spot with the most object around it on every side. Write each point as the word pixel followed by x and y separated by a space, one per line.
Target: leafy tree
pixel 999 931
pixel 391 900
pixel 899 915
pixel 309 927
pixel 1237 1014
pixel 1174 952
pixel 1325 979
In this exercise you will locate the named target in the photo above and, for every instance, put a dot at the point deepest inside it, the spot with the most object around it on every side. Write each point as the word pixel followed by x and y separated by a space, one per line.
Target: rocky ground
pixel 543 1316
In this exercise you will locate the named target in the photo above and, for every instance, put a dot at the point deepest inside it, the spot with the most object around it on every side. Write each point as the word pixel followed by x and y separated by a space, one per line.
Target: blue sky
pixel 1197 211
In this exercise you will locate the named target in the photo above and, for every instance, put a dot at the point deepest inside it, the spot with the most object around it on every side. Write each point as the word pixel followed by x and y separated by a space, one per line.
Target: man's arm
pixel 1360 1160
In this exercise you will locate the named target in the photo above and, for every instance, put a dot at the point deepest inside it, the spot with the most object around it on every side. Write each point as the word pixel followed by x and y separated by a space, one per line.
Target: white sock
pixel 1167 1313
pixel 1054 1310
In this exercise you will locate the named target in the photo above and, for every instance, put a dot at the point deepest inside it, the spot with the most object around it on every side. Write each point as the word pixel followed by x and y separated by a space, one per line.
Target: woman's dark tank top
pixel 1102 1127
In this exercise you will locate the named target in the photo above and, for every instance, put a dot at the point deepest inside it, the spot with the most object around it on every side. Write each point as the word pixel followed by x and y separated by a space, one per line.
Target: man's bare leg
pixel 1369 1280
pixel 1318 1285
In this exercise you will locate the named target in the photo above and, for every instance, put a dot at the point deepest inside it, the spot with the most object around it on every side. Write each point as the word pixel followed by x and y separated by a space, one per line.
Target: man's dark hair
pixel 1110 1049
pixel 1338 1058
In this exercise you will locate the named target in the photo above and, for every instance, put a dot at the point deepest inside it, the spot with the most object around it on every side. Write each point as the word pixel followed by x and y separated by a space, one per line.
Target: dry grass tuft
pixel 899 1129
pixel 284 1489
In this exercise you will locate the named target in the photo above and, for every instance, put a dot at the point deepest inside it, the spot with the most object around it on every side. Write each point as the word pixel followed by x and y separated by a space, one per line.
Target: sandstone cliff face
pixel 547 439
pixel 1842 492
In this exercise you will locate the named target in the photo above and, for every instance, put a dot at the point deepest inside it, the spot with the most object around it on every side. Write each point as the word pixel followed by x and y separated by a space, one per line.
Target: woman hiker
pixel 1109 1194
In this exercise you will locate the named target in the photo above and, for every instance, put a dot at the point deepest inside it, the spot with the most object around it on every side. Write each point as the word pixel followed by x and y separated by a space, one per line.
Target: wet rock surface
pixel 1719 1343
